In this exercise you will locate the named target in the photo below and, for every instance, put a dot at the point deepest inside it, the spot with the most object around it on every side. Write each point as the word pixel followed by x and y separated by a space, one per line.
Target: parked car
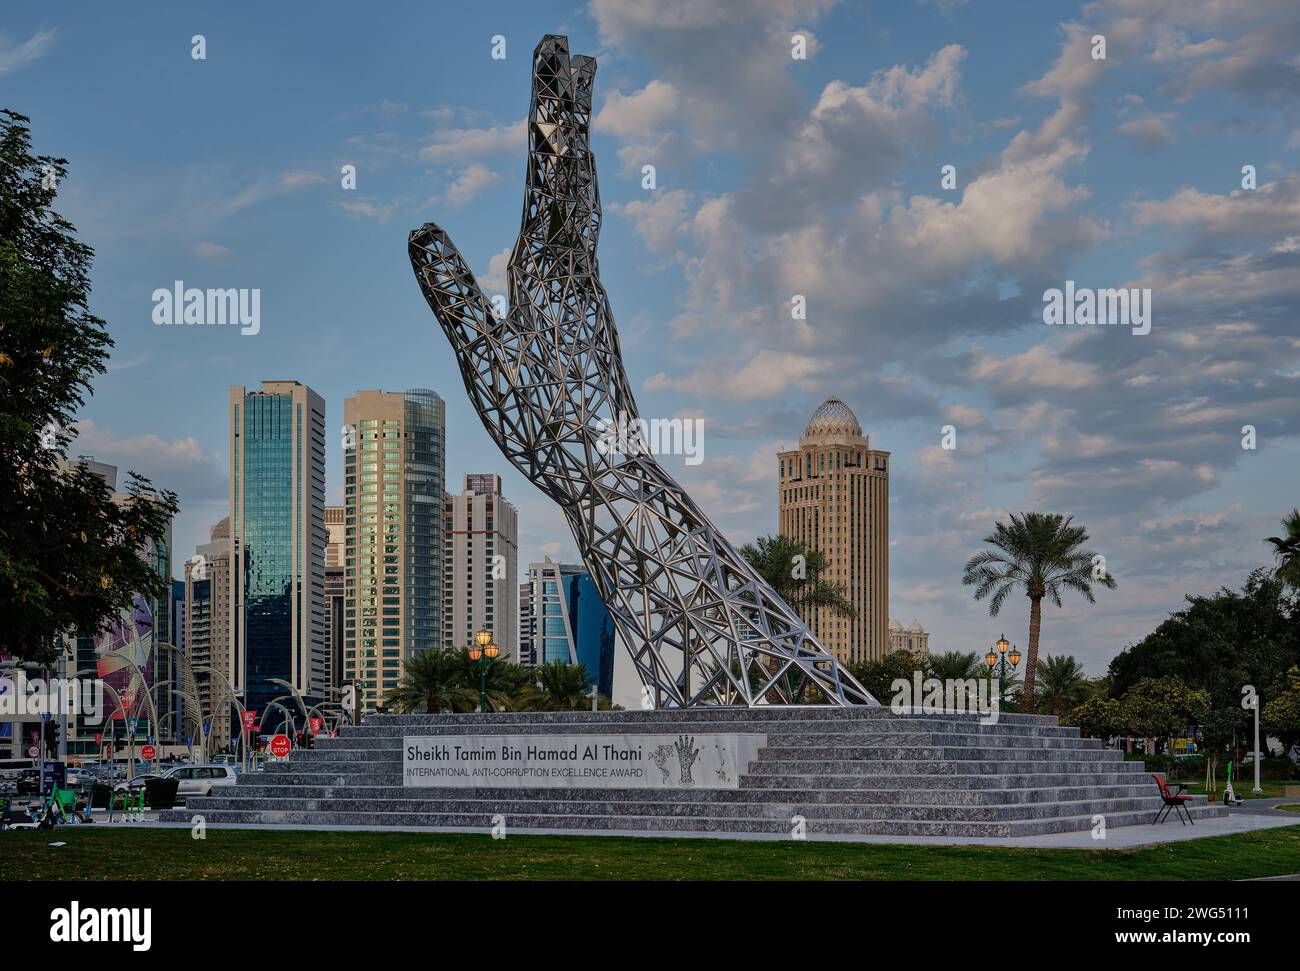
pixel 200 780
pixel 136 783
pixel 29 781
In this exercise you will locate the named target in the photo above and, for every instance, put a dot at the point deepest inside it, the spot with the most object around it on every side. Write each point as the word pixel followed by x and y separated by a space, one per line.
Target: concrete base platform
pixel 829 772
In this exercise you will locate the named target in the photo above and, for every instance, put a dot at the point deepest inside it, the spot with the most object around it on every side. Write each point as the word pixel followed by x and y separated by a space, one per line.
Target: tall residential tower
pixel 834 498
pixel 392 501
pixel 481 563
pixel 277 542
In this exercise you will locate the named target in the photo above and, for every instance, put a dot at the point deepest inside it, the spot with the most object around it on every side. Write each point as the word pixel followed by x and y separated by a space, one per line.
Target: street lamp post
pixel 998 659
pixel 483 652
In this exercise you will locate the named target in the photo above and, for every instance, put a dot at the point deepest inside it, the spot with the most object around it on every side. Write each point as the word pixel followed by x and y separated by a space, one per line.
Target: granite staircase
pixel 857 771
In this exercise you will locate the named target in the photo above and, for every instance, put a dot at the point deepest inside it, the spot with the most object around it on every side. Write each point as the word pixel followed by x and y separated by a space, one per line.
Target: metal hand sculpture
pixel 702 626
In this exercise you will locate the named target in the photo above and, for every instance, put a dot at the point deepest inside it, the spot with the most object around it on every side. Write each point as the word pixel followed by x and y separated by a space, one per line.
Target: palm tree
pixel 1040 553
pixel 563 687
pixel 434 681
pixel 1064 683
pixel 1287 550
pixel 956 666
pixel 795 570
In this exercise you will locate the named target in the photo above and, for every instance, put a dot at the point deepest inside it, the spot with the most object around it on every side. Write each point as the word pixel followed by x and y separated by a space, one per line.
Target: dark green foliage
pixel 71 557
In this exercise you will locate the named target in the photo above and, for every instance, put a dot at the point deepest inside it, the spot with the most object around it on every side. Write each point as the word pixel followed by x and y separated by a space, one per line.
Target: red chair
pixel 1173 798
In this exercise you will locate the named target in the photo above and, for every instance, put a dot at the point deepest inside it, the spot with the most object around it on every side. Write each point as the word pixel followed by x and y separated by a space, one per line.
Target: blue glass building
pixel 571 622
pixel 277 542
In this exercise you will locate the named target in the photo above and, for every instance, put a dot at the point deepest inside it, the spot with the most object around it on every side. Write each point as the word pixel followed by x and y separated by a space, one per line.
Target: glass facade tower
pixel 570 622
pixel 393 464
pixel 277 541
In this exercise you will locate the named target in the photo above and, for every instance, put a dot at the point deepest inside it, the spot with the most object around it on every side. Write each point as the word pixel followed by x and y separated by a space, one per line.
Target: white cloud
pixel 470 183
pixel 15 57
pixel 210 251
pixel 461 144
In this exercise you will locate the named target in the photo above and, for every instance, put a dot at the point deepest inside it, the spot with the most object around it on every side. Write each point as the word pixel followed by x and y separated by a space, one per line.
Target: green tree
pixel 1220 643
pixel 956 665
pixel 878 676
pixel 1286 550
pixel 434 682
pixel 797 573
pixel 1098 717
pixel 1041 554
pixel 1063 683
pixel 1280 716
pixel 1162 707
pixel 71 555
pixel 563 687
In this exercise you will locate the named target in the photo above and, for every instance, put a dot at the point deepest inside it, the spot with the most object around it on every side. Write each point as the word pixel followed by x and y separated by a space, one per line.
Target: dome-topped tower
pixel 834 498
pixel 834 423
pixel 834 417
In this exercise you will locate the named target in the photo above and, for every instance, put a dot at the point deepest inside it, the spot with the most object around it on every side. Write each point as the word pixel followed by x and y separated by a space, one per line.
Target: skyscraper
pixel 277 540
pixel 526 652
pixel 335 555
pixel 480 565
pixel 568 621
pixel 393 466
pixel 207 630
pixel 834 498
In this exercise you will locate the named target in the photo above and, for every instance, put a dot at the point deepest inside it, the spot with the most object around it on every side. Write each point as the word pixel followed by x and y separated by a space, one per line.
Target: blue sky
pixel 775 177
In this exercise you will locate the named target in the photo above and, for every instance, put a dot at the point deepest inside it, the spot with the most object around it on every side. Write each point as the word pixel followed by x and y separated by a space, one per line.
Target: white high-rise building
pixel 393 519
pixel 480 566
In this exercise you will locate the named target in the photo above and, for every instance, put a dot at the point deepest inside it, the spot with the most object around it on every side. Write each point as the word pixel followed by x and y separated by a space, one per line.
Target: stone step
pixel 494 721
pixel 669 824
pixel 690 809
pixel 391 728
pixel 958 782
pixel 763 767
pixel 289 778
pixel 375 743
pixel 914 795
pixel 871 752
pixel 791 762
pixel 884 753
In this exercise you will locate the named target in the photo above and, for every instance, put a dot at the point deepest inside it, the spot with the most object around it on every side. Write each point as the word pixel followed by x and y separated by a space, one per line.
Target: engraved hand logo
pixel 686 756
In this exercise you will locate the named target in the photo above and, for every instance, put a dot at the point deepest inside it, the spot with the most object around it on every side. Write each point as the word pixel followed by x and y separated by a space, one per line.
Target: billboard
pixel 124 653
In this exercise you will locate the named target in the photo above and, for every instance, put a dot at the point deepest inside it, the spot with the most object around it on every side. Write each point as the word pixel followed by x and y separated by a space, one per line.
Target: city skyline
pixel 1130 176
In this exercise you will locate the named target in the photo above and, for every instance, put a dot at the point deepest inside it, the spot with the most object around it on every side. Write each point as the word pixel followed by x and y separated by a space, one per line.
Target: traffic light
pixel 51 733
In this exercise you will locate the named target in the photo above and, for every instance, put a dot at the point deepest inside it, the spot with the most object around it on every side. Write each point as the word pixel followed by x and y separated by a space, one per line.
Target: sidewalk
pixel 1119 838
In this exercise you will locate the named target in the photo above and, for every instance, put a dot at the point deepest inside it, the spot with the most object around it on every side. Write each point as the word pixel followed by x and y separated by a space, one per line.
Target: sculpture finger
pixel 448 285
pixel 560 206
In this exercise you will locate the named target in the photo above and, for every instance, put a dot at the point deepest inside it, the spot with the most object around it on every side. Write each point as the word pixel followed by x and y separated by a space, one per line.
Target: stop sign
pixel 148 752
pixel 280 746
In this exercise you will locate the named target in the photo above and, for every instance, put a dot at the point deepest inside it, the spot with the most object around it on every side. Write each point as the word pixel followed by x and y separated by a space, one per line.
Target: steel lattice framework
pixel 547 378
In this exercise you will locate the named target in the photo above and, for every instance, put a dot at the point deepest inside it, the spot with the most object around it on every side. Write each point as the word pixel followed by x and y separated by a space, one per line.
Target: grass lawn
pixel 1242 786
pixel 94 853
